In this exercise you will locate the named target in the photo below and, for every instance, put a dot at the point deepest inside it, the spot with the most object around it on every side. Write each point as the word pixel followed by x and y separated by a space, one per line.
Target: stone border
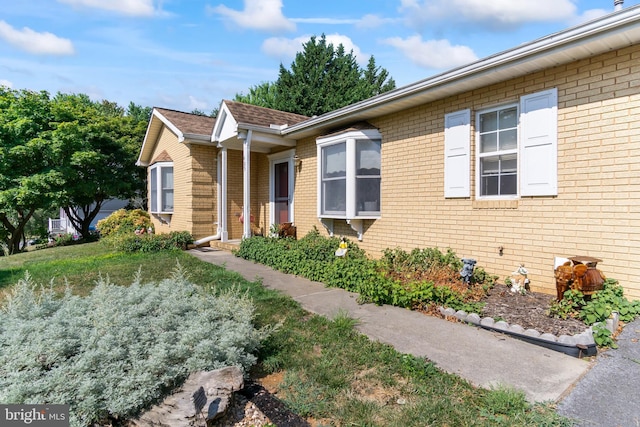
pixel 577 345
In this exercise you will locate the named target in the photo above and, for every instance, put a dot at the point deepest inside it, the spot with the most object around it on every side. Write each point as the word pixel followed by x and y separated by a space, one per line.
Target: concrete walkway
pixel 485 359
pixel 607 396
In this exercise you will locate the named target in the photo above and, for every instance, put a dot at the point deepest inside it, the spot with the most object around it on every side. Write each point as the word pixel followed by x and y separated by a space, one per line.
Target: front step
pixel 226 246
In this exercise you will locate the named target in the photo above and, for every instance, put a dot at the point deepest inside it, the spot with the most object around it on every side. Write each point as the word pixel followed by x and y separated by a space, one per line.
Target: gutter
pixel 575 36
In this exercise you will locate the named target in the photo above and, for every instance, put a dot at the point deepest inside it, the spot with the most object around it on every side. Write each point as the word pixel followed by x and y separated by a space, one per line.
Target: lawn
pixel 330 373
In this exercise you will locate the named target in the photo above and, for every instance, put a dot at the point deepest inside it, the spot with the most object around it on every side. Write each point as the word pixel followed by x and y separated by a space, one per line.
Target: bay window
pixel 349 175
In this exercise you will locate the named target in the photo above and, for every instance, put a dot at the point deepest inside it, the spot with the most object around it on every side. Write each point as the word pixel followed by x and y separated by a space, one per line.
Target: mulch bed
pixel 528 310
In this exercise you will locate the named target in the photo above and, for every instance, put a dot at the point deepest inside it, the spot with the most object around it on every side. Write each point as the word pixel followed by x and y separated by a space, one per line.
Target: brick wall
pixel 194 192
pixel 596 212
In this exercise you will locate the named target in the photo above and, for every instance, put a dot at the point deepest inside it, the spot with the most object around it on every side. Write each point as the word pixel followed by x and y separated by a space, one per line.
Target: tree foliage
pixel 28 177
pixel 102 143
pixel 322 78
pixel 67 151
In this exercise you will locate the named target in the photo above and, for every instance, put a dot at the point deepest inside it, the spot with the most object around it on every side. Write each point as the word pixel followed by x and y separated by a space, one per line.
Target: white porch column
pixel 223 210
pixel 246 183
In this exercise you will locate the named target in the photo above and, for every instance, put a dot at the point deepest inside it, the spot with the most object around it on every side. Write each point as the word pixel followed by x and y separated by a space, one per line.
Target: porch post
pixel 246 181
pixel 222 218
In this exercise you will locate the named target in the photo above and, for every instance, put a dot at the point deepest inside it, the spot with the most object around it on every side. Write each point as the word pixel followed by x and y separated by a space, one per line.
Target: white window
pixel 497 144
pixel 161 187
pixel 349 175
pixel 516 149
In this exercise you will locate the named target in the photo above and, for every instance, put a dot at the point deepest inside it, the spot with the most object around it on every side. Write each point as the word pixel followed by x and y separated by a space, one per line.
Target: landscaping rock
pixel 549 337
pixel 204 397
pixel 473 318
pixel 501 325
pixel 461 315
pixel 488 322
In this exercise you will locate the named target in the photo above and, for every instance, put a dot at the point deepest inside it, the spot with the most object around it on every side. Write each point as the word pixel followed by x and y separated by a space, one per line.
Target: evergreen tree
pixel 321 79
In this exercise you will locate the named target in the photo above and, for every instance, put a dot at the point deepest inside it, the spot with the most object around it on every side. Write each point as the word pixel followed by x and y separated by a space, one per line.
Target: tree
pixel 101 144
pixel 67 151
pixel 29 179
pixel 262 95
pixel 321 79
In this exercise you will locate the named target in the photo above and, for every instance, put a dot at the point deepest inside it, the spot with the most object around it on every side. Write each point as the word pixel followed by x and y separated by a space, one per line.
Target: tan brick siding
pixel 194 177
pixel 596 212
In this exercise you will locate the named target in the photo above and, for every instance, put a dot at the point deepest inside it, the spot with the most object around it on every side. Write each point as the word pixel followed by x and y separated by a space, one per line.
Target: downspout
pixel 221 176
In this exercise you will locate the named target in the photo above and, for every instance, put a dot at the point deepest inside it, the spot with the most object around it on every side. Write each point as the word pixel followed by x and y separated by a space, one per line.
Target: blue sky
pixel 188 54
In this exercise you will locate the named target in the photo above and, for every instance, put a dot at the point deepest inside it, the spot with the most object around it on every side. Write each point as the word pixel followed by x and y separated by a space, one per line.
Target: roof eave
pixel 515 62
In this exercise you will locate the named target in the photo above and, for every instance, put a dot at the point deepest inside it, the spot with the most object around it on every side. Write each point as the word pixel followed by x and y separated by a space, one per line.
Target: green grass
pixel 331 373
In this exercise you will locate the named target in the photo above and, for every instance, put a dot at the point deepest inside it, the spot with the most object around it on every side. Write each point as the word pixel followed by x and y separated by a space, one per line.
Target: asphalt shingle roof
pixel 189 123
pixel 261 116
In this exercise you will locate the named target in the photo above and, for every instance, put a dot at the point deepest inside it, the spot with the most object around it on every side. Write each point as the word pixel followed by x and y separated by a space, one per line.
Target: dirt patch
pixel 529 310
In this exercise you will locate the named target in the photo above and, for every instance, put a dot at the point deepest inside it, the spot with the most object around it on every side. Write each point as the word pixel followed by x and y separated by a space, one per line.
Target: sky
pixel 192 54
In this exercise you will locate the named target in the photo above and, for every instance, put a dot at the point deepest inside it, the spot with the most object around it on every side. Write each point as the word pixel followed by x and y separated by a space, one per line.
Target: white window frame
pixel 498 153
pixel 156 192
pixel 537 146
pixel 282 157
pixel 350 139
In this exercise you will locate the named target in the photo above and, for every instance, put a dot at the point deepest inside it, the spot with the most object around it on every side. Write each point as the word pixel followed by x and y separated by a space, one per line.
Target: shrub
pixel 176 240
pixel 594 311
pixel 421 277
pixel 124 222
pixel 118 350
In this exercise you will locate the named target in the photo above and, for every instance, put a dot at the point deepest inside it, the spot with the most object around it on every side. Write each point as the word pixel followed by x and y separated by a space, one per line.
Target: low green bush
pixel 118 350
pixel 176 240
pixel 399 278
pixel 124 221
pixel 595 310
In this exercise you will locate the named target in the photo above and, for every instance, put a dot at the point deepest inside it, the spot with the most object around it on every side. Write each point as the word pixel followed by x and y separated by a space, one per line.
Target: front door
pixel 281 192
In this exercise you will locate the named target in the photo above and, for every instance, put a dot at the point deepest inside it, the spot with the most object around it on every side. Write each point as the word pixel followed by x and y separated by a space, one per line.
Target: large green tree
pixel 66 151
pixel 322 78
pixel 29 179
pixel 101 142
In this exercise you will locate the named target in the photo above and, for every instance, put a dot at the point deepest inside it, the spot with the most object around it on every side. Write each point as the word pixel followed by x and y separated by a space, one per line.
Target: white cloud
pixel 33 42
pixel 494 13
pixel 283 48
pixel 6 83
pixel 588 15
pixel 264 15
pixel 433 54
pixel 125 7
pixel 373 21
pixel 196 104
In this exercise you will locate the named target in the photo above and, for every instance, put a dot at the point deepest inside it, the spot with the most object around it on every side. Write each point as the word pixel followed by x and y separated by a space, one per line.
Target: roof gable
pixel 186 126
pixel 187 123
pixel 238 122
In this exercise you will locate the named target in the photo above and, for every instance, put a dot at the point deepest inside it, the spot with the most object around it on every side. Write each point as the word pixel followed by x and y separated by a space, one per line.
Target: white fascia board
pixel 266 134
pixel 153 130
pixel 585 35
pixel 195 138
pixel 169 125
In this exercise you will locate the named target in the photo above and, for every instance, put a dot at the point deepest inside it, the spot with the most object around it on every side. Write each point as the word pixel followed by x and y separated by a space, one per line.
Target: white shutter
pixel 539 144
pixel 457 134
